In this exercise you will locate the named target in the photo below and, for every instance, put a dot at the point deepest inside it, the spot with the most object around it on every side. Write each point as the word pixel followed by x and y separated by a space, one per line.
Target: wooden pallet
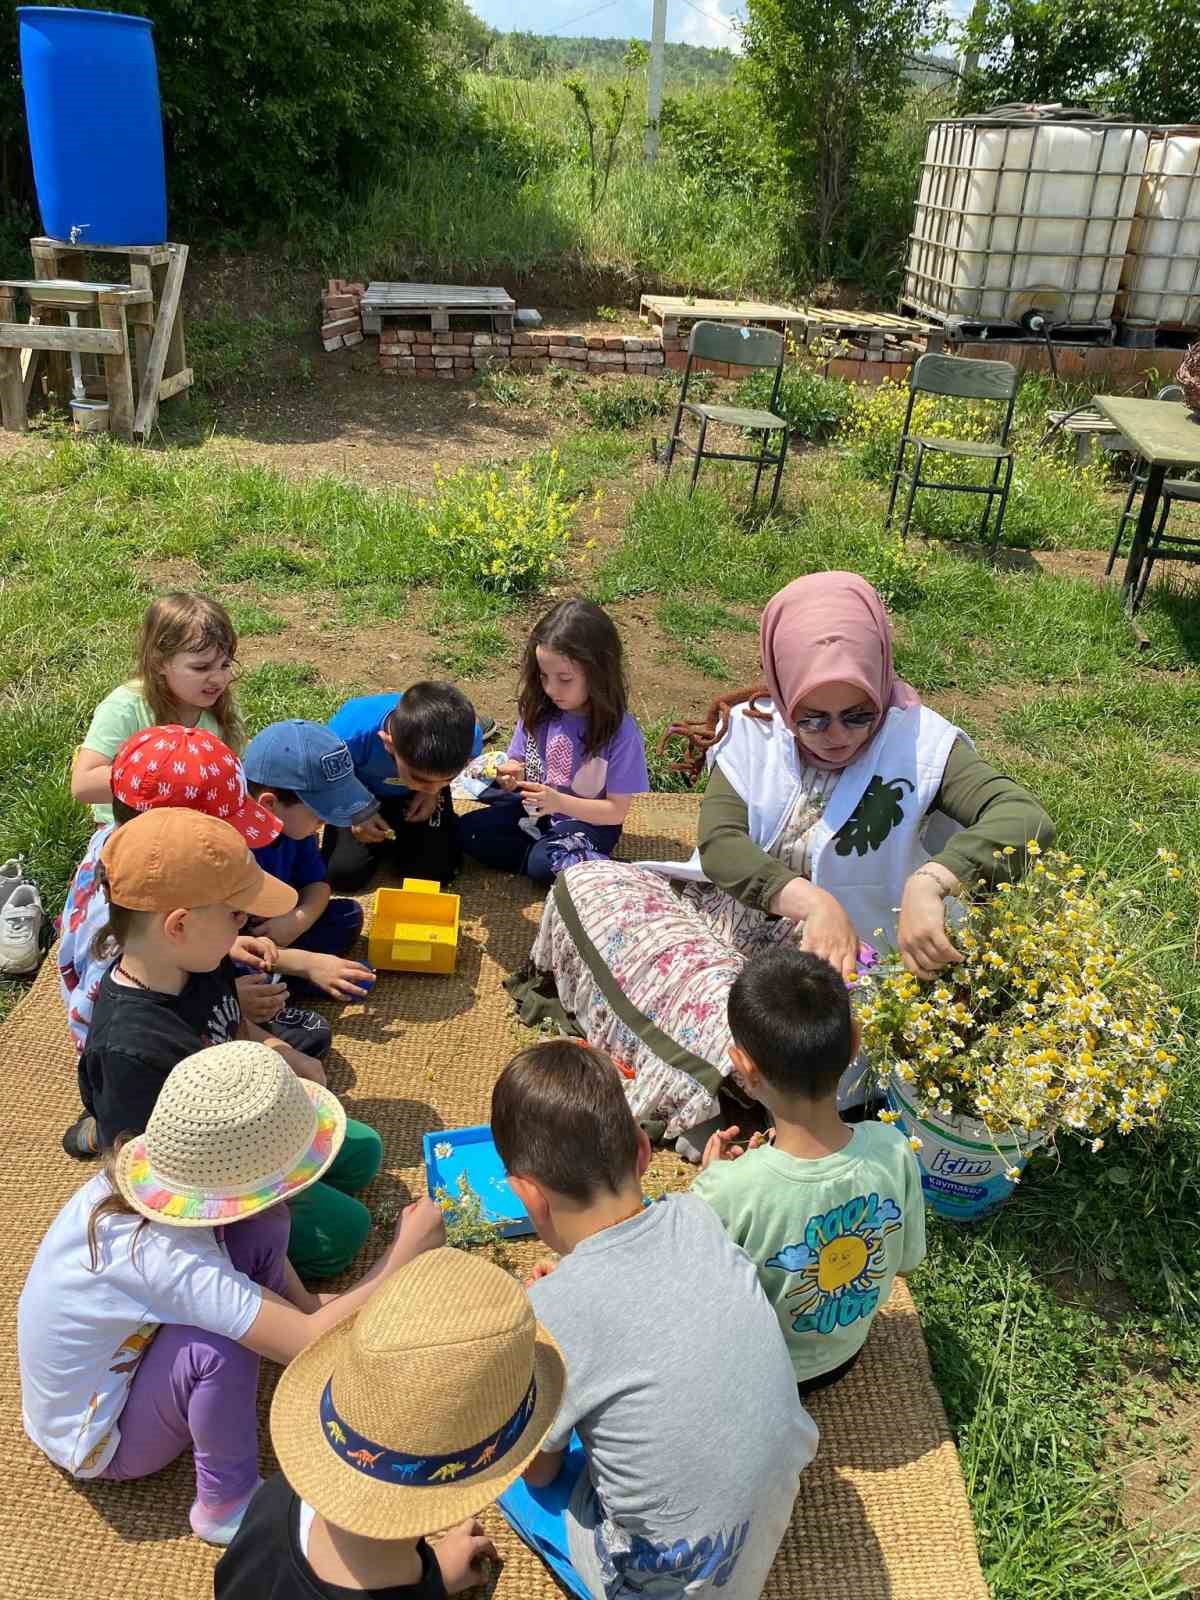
pixel 668 311
pixel 876 326
pixel 439 302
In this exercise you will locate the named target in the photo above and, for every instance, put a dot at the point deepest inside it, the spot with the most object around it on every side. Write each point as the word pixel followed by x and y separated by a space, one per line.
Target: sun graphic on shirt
pixel 840 1264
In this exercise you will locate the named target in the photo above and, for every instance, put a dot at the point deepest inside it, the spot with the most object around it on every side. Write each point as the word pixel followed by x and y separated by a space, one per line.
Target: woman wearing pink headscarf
pixel 839 811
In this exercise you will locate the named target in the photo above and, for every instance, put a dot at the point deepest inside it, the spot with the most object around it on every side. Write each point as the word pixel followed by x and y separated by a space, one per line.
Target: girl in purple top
pixel 576 759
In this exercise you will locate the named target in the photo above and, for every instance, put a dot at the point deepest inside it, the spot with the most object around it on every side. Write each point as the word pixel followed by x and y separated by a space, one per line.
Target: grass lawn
pixel 1064 1332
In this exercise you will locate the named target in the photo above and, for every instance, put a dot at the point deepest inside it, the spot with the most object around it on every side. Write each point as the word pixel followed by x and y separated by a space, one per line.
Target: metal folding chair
pixel 959 378
pixel 748 347
pixel 1173 489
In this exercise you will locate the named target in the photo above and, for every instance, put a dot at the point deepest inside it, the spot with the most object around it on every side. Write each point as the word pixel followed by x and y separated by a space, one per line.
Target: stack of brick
pixel 406 352
pixel 341 314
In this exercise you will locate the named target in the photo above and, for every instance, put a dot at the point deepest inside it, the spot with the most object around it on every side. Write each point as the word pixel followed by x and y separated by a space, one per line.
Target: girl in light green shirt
pixel 187 661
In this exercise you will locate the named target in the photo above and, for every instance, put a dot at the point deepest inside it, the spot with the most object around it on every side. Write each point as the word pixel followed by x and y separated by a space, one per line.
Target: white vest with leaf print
pixel 877 827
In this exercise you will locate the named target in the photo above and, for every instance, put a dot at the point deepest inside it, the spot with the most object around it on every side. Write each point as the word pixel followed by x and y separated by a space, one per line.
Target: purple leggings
pixel 199 1389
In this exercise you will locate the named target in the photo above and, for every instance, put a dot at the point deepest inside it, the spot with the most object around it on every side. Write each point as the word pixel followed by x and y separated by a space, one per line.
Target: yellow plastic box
pixel 414 928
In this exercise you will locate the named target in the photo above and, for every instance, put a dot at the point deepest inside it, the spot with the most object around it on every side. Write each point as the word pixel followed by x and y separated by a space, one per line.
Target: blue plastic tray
pixel 473 1151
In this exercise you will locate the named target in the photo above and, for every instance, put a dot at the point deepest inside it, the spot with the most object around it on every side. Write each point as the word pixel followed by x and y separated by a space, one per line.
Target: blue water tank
pixel 95 126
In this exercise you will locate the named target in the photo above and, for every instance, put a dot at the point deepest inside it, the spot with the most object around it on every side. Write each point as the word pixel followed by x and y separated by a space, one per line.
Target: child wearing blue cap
pixel 304 774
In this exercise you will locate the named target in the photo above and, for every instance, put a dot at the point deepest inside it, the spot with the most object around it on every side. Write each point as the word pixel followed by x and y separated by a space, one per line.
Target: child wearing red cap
pixel 190 768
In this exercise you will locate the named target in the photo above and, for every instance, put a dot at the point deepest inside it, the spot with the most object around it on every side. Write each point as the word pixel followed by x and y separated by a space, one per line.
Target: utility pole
pixel 968 61
pixel 654 79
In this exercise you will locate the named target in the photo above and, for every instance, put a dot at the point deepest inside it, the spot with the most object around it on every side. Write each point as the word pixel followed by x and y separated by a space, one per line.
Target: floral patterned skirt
pixel 673 959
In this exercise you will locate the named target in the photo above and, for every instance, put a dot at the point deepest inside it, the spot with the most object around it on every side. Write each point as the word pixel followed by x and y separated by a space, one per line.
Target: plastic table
pixel 1165 434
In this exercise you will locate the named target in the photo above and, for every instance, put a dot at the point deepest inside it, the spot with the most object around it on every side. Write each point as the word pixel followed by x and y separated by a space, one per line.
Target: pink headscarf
pixel 830 627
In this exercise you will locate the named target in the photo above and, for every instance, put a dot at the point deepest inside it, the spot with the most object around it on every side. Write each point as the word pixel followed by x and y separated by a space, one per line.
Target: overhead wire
pixel 581 17
pixel 713 16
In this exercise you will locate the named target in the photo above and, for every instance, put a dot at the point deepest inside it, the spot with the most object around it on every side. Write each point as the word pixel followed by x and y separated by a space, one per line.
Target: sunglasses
pixel 847 719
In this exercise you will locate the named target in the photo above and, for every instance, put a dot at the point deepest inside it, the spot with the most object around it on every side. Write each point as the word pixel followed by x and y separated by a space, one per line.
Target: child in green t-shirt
pixel 829 1213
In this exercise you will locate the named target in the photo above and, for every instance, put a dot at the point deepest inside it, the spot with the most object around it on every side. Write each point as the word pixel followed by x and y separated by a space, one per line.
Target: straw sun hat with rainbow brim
pixel 234 1131
pixel 426 1407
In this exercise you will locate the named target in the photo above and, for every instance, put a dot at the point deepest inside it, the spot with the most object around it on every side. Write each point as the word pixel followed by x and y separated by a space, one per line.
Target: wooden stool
pixel 161 365
pixel 112 306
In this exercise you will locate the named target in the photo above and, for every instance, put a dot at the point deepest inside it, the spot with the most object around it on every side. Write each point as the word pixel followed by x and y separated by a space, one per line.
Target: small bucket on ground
pixel 963 1166
pixel 90 416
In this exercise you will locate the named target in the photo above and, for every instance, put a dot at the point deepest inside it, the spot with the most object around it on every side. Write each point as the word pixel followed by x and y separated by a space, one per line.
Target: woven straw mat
pixel 881 1512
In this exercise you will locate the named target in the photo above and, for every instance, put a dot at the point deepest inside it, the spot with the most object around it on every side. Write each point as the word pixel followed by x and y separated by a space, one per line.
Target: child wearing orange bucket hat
pixel 411 1420
pixel 179 887
pixel 170 766
pixel 163 1280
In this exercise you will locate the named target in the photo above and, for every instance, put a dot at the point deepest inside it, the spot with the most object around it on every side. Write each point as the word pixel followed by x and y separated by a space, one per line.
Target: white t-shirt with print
pixel 81 1334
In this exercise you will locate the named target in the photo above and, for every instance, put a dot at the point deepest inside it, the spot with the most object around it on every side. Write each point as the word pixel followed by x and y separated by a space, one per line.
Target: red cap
pixel 177 766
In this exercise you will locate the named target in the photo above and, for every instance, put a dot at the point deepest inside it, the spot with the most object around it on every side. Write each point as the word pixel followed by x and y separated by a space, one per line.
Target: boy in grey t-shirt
pixel 691 1436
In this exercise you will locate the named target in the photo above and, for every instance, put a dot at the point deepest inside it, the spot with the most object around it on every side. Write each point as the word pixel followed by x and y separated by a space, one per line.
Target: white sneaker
pixel 12 876
pixel 20 932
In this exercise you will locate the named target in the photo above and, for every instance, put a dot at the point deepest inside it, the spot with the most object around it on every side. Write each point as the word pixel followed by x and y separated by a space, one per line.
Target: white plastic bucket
pixel 962 1165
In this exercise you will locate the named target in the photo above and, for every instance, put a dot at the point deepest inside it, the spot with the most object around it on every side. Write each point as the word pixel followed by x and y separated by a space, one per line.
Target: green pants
pixel 329 1226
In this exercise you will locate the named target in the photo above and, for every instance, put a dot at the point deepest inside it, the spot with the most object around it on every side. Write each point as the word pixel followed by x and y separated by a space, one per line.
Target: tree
pixel 466 41
pixel 1138 59
pixel 827 71
pixel 274 106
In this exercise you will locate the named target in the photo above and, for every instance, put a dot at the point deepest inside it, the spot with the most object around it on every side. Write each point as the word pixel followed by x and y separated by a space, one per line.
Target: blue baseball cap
pixel 314 764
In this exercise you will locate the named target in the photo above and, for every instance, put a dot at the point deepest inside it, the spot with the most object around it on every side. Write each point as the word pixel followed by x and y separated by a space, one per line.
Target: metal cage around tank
pixel 1160 283
pixel 1023 219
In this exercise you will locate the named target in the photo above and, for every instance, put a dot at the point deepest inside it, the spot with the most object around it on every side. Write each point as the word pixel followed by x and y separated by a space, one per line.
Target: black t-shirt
pixel 138 1035
pixel 265 1561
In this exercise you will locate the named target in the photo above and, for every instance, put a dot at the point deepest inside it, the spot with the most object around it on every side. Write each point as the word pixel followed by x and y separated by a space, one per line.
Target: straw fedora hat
pixel 234 1131
pixel 424 1408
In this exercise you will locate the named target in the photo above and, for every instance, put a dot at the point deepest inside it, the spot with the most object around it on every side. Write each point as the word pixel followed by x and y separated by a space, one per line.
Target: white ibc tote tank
pixel 1160 286
pixel 1024 210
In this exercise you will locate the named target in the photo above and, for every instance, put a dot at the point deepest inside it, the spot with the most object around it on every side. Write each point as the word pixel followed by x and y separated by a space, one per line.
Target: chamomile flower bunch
pixel 1052 1021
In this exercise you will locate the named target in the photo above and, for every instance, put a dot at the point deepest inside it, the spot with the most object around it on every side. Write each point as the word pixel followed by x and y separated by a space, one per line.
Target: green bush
pixel 504 534
pixel 813 407
pixel 627 403
pixel 722 141
pixel 272 107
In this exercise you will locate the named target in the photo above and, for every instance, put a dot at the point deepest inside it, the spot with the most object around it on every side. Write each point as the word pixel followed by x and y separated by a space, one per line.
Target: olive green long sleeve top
pixel 992 810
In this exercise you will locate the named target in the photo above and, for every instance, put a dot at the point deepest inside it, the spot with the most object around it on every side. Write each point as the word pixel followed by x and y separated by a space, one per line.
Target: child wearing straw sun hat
pixel 179 888
pixel 411 1420
pixel 163 1280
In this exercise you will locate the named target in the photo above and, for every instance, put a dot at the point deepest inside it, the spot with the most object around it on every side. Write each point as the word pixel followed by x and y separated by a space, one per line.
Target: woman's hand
pixel 921 936
pixel 509 773
pixel 828 932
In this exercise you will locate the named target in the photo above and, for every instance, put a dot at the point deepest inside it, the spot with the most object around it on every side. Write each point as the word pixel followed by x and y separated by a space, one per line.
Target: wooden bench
pixel 1090 429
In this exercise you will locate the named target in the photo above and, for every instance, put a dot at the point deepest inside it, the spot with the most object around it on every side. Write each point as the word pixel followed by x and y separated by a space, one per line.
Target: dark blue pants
pixel 332 934
pixel 334 931
pixel 494 837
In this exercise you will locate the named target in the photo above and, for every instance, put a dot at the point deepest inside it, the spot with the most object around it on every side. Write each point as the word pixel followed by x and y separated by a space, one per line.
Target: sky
pixel 708 22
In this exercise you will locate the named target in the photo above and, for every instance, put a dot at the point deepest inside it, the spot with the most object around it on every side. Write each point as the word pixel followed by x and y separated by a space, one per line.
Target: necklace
pixel 125 973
